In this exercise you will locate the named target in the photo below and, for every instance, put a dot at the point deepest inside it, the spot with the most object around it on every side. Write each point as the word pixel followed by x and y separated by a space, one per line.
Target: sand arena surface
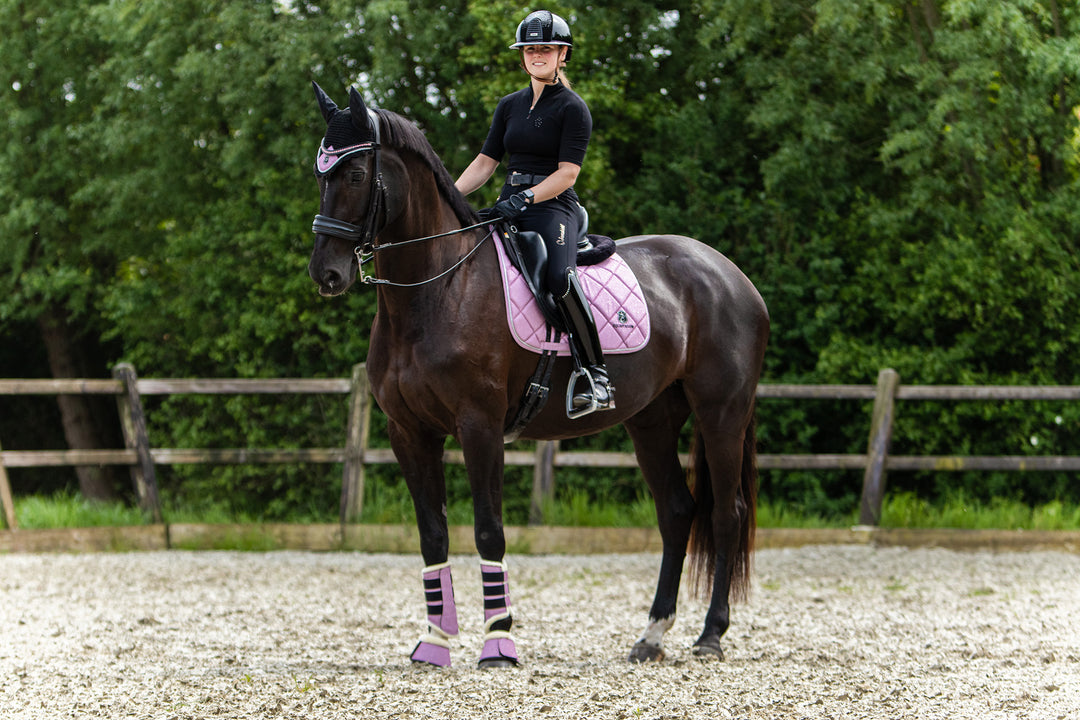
pixel 829 632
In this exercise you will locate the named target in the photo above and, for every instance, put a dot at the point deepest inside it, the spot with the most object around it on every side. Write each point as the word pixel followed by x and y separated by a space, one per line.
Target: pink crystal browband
pixel 329 157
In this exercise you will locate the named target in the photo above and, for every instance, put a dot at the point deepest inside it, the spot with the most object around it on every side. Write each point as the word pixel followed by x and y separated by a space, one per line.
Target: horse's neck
pixel 423 261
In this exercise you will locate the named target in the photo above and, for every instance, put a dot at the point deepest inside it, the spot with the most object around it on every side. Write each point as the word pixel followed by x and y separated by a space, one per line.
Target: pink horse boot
pixel 499 649
pixel 434 647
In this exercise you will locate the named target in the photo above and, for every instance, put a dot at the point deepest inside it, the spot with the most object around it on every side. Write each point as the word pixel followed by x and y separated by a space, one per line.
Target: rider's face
pixel 542 60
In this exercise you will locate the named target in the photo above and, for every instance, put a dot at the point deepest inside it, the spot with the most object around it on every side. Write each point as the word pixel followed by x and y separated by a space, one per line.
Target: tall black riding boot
pixel 590 373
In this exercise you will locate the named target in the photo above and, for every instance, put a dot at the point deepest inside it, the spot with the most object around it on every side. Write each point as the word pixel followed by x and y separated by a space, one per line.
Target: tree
pixel 915 200
pixel 55 264
pixel 898 177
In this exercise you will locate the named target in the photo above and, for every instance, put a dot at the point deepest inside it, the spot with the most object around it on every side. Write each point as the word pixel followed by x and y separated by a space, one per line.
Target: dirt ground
pixel 829 632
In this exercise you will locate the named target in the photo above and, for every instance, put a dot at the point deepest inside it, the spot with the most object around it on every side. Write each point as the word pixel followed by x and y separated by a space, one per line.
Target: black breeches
pixel 556 221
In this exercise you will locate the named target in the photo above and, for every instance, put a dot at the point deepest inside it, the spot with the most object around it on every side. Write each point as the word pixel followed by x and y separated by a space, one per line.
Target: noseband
pixel 364 236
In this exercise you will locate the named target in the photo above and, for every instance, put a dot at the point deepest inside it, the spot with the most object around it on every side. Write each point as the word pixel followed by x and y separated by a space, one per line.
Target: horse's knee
pixel 675 515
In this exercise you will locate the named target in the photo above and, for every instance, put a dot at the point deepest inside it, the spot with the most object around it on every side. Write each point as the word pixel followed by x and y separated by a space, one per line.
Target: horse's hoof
pixel 708 648
pixel 493 663
pixel 644 652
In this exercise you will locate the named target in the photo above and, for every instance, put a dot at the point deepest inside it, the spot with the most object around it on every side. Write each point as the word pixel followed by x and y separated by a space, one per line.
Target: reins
pixel 366 248
pixel 367 255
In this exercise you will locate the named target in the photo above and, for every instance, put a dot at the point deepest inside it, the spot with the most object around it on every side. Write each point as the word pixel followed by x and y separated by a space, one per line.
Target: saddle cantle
pixel 618 305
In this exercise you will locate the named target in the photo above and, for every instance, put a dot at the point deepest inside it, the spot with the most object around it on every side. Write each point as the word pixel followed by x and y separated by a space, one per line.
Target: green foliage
pixel 261 492
pixel 900 180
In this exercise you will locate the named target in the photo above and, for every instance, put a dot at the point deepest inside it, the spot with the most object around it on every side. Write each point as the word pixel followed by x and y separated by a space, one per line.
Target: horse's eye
pixel 357 177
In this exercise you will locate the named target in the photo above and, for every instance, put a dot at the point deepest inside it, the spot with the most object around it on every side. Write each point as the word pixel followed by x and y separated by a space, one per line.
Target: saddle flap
pixel 528 254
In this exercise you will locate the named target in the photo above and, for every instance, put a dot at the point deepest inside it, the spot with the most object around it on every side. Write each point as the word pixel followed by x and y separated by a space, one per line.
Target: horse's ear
pixel 326 105
pixel 359 112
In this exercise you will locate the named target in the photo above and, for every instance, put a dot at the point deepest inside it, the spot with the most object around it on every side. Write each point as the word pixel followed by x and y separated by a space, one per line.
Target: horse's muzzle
pixel 331 283
pixel 334 275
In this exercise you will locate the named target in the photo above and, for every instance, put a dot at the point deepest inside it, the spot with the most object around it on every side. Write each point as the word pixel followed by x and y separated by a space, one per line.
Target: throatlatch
pixel 498 645
pixel 434 647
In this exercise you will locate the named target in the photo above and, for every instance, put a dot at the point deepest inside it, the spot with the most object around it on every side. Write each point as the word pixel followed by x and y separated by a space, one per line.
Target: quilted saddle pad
pixel 618 305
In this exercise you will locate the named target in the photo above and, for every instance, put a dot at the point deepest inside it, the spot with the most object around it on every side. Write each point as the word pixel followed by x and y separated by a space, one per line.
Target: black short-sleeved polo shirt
pixel 537 139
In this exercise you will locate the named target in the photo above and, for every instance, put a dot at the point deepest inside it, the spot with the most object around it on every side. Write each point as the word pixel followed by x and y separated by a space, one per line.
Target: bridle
pixel 364 235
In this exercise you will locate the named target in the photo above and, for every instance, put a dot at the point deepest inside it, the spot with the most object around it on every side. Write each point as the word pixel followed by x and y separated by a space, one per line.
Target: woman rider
pixel 545 129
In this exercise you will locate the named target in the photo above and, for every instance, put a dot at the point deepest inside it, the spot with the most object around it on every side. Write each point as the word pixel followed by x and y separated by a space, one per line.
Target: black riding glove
pixel 507 209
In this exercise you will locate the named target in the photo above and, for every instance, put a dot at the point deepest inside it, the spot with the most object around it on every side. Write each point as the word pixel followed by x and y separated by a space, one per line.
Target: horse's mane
pixel 402 134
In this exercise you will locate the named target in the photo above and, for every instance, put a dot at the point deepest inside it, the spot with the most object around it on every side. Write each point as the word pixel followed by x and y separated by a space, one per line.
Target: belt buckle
pixel 514 177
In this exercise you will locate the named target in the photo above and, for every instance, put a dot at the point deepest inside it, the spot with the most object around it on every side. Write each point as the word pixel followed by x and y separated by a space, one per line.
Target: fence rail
pixel 355 455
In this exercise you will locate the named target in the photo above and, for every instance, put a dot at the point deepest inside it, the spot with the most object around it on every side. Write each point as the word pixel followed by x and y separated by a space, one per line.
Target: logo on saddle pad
pixel 618 306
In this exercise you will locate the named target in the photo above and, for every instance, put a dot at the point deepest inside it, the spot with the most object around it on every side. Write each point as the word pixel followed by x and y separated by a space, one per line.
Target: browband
pixel 329 157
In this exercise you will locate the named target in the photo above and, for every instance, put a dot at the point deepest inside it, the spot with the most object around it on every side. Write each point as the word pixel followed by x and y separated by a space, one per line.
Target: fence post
pixel 133 422
pixel 356 443
pixel 877 449
pixel 543 479
pixel 5 497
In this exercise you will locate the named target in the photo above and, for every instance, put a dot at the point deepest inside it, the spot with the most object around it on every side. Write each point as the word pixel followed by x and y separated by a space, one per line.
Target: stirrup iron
pixel 571 391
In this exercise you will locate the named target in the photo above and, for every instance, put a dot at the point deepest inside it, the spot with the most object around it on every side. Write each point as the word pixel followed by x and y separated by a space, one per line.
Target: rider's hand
pixel 507 209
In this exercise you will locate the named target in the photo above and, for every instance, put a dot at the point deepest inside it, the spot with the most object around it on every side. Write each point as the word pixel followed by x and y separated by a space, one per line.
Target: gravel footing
pixel 828 632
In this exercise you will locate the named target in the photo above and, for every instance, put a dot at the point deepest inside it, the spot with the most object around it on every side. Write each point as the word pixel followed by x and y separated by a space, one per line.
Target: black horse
pixel 442 364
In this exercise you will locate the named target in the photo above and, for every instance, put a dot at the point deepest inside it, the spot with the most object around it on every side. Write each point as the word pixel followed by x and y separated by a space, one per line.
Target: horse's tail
pixel 703 550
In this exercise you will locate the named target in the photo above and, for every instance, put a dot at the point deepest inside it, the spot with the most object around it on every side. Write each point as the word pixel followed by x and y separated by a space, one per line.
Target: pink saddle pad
pixel 618 305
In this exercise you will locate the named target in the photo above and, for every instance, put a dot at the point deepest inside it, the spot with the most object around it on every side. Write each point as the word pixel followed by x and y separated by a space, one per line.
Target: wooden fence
pixel 355 455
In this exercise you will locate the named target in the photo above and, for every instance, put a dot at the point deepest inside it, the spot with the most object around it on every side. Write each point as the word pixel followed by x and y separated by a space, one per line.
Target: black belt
pixel 516 178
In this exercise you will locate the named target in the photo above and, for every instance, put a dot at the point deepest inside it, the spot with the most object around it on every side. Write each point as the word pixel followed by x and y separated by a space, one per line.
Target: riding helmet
pixel 544 27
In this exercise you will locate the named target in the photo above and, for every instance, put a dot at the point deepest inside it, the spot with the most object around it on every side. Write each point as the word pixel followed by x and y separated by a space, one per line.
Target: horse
pixel 441 366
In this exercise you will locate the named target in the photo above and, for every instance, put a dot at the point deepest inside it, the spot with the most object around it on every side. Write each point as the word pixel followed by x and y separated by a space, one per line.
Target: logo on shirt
pixel 538 122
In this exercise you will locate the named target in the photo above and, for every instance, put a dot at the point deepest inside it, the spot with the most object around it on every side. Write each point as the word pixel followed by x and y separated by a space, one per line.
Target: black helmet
pixel 544 28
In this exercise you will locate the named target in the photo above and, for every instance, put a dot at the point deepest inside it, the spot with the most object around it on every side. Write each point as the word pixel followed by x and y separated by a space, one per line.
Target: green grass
pixel 900 510
pixel 906 510
pixel 776 515
pixel 67 510
pixel 206 513
pixel 579 510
